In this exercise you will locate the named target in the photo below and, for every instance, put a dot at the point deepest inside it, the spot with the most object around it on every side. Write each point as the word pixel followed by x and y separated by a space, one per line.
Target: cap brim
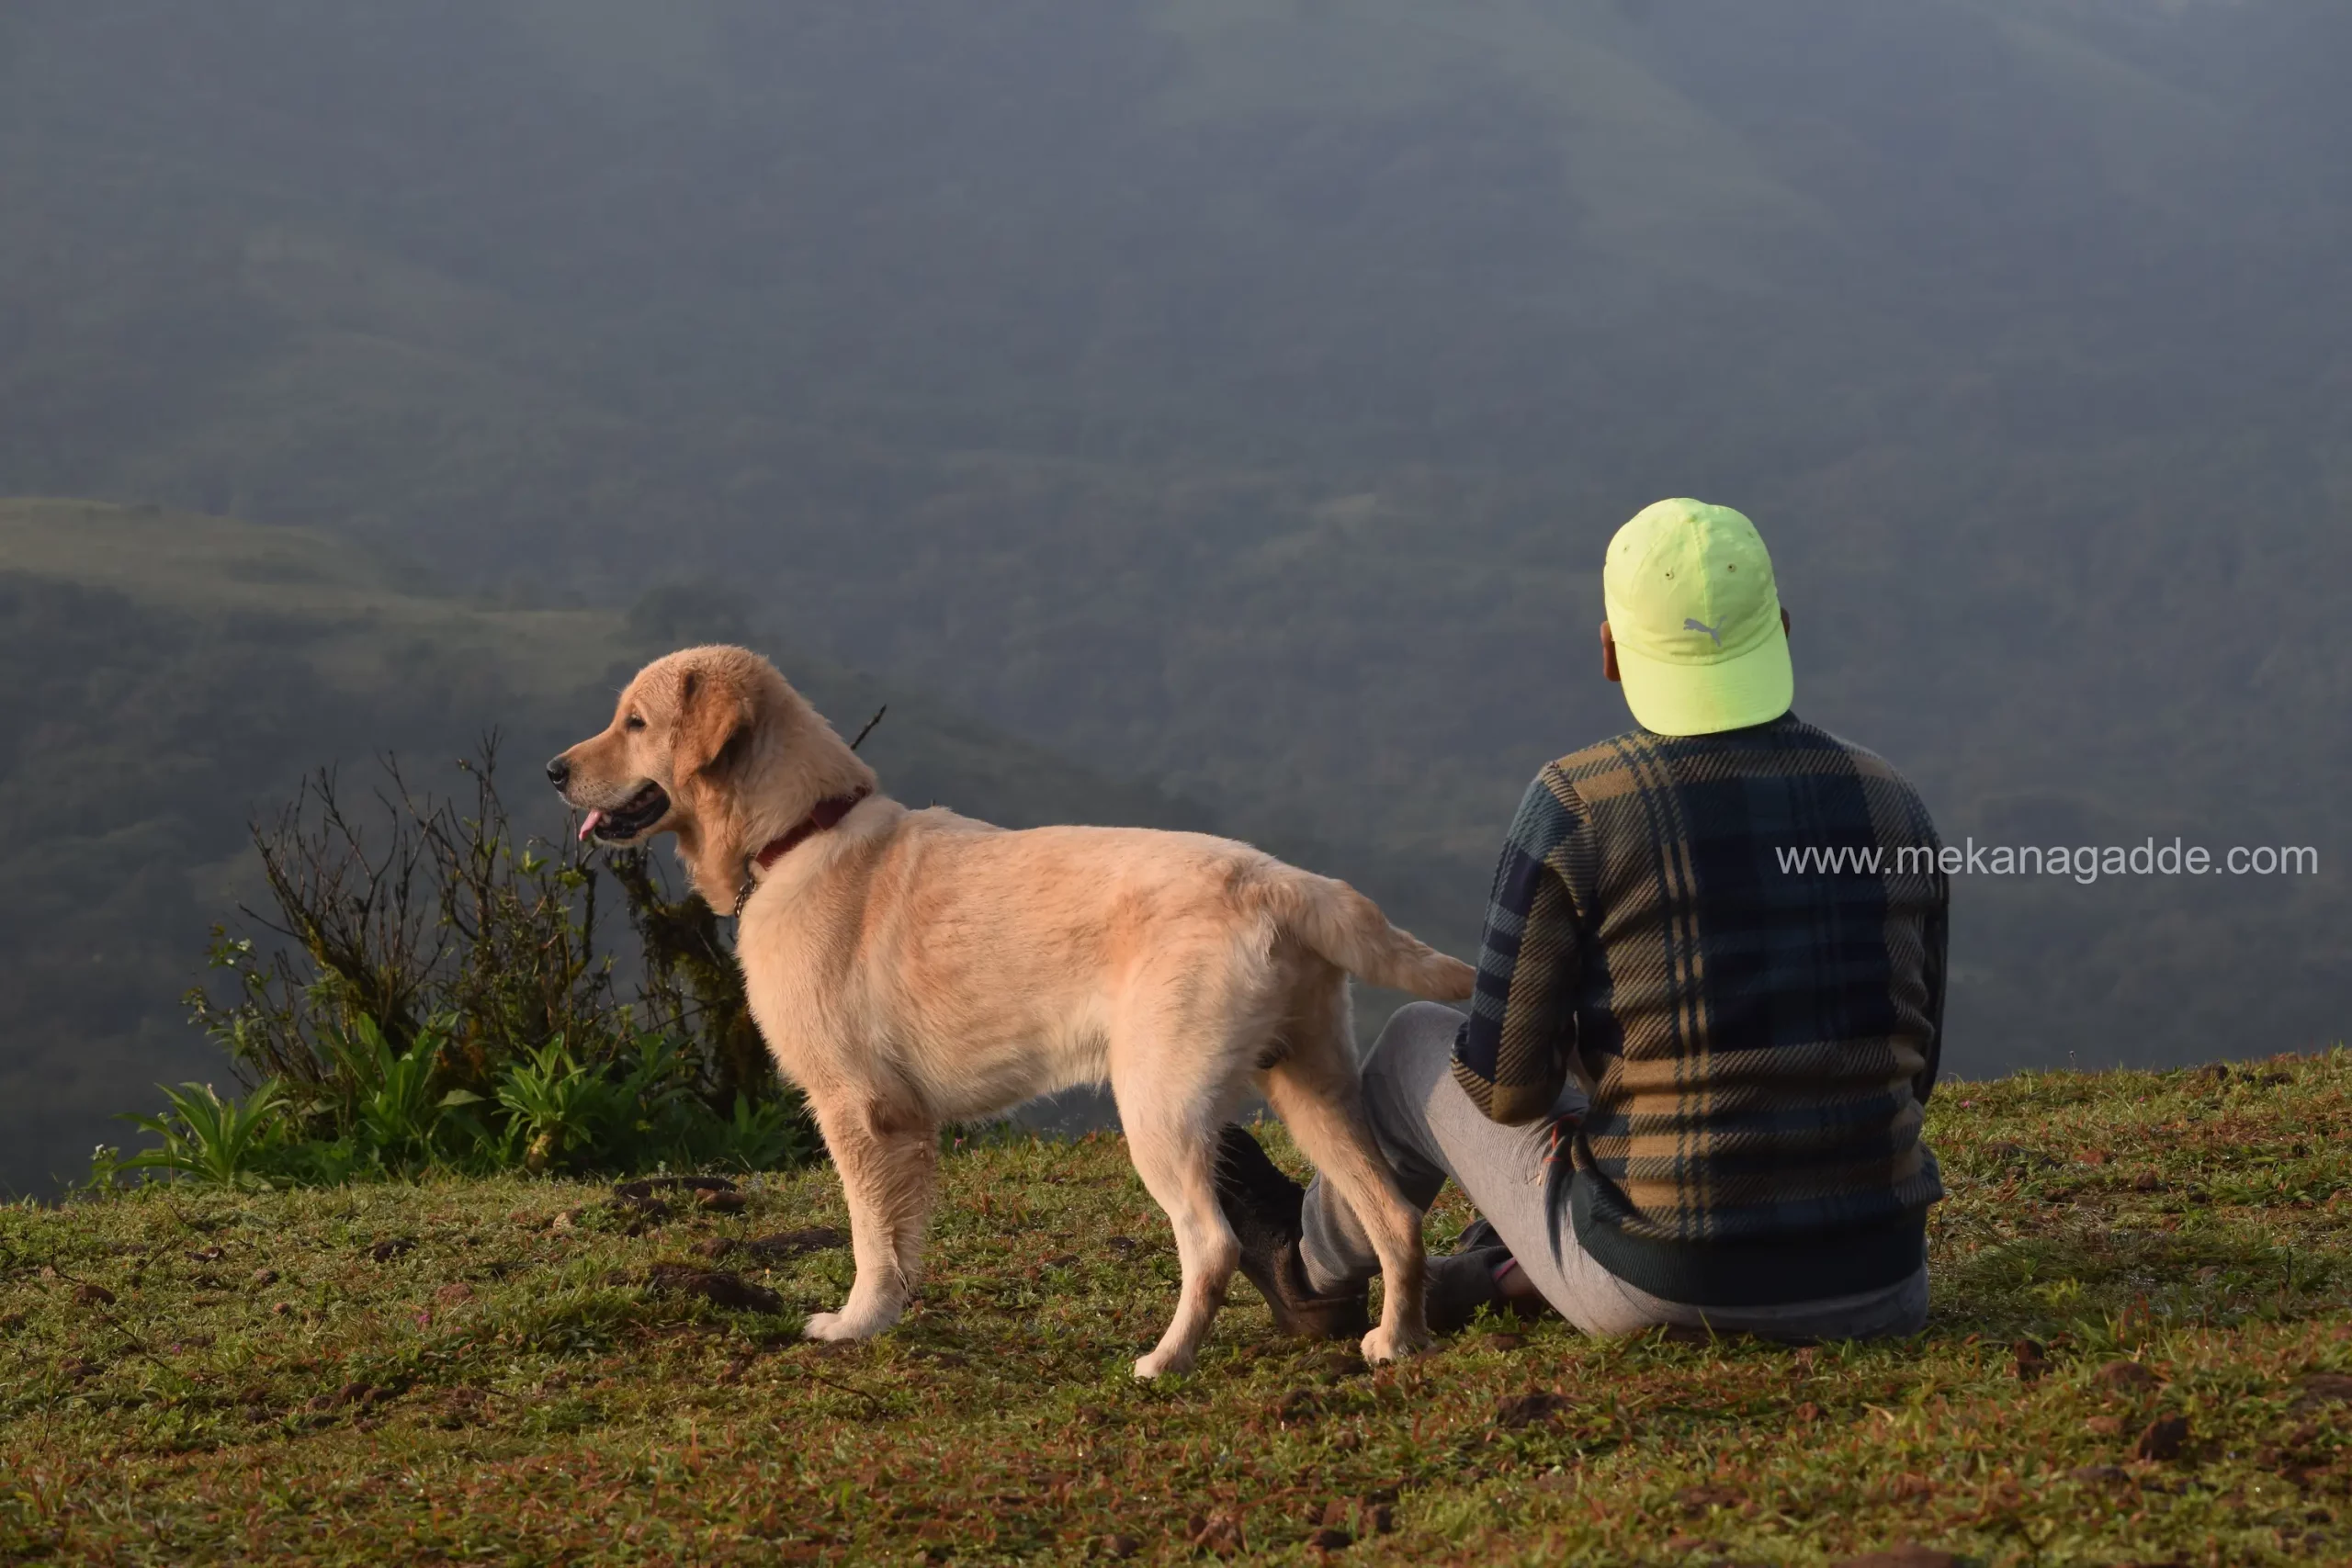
pixel 1672 699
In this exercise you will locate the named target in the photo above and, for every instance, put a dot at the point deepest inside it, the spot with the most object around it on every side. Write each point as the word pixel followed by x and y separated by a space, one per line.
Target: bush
pixel 440 995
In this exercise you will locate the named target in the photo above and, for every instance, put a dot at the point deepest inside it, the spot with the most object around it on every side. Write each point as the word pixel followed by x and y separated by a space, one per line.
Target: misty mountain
pixel 172 678
pixel 1237 394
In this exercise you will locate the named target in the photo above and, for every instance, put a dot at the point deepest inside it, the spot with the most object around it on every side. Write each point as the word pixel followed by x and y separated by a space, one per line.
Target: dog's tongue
pixel 588 824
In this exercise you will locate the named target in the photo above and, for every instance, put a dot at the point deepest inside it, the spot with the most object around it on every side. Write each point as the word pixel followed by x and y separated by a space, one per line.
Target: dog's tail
pixel 1349 929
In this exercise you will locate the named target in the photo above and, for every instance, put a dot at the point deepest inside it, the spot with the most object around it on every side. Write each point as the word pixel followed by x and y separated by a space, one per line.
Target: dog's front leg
pixel 889 1166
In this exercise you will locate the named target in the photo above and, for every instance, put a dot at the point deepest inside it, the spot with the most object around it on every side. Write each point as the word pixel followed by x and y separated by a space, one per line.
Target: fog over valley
pixel 1204 415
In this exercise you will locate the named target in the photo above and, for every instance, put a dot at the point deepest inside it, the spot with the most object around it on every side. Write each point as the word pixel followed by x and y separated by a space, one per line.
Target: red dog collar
pixel 827 815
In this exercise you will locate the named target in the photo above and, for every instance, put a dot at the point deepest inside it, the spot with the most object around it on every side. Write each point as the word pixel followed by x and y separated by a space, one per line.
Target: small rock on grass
pixel 713 1285
pixel 93 1296
pixel 1331 1540
pixel 2125 1377
pixel 2323 1388
pixel 1531 1409
pixel 461 1408
pixel 1908 1555
pixel 1699 1499
pixel 2165 1437
pixel 358 1393
pixel 1217 1533
pixel 792 1244
pixel 385 1252
pixel 1118 1546
pixel 2104 1426
pixel 1505 1342
pixel 265 1277
pixel 646 1187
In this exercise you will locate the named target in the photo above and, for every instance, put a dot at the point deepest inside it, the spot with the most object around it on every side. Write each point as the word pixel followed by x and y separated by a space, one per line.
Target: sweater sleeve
pixel 1937 939
pixel 1512 1054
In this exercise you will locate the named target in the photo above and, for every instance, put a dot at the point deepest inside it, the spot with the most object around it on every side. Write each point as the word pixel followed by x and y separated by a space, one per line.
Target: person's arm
pixel 1937 939
pixel 1511 1054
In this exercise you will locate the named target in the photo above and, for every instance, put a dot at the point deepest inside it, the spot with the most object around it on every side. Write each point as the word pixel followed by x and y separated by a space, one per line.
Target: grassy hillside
pixel 168 677
pixel 496 1371
pixel 1235 394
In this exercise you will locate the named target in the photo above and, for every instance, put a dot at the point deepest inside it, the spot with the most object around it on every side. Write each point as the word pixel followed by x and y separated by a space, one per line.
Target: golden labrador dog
pixel 908 968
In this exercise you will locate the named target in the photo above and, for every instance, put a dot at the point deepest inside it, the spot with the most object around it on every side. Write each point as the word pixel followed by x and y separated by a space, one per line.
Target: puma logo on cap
pixel 1693 623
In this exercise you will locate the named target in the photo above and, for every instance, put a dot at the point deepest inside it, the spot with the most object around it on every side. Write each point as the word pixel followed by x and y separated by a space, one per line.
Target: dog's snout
pixel 558 771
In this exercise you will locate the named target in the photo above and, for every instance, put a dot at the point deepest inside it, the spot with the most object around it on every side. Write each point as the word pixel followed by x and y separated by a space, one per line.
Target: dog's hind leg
pixel 1177 1165
pixel 1315 1090
pixel 1171 1107
pixel 889 1167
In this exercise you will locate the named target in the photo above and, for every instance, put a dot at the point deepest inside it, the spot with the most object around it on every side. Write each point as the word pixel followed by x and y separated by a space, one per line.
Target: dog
pixel 908 968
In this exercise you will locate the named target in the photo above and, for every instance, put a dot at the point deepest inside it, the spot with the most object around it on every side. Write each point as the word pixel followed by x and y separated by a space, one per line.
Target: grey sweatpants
pixel 1431 1133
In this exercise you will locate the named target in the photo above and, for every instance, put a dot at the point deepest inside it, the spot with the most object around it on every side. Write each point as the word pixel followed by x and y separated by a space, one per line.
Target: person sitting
pixel 1709 1013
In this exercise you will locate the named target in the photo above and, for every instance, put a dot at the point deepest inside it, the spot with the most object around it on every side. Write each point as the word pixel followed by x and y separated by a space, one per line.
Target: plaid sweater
pixel 1757 1042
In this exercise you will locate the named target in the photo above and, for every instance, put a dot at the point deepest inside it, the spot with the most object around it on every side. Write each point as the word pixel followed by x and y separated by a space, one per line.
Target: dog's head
pixel 677 725
pixel 710 744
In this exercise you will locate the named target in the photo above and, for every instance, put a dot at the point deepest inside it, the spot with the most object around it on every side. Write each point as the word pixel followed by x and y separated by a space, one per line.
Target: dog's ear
pixel 714 712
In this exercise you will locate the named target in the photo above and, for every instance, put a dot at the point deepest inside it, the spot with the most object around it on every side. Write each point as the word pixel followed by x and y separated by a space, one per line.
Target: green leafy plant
pixel 551 1101
pixel 564 1113
pixel 762 1134
pixel 226 1143
pixel 394 1112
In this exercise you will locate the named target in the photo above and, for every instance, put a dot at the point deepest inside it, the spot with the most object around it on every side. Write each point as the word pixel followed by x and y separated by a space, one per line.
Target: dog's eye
pixel 634 721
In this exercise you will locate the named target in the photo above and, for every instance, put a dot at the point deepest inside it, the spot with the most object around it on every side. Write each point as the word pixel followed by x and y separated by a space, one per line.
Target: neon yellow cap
pixel 1696 617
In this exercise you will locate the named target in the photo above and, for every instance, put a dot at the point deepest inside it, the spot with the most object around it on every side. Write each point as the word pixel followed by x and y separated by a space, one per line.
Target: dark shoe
pixel 1466 1279
pixel 1262 1206
pixel 1459 1283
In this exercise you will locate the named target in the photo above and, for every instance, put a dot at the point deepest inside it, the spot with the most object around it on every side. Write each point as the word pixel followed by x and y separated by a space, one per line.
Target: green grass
pixel 381 1373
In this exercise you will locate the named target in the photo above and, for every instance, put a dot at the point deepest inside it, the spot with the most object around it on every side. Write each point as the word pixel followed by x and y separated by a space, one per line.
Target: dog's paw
pixel 1380 1345
pixel 1160 1363
pixel 830 1325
